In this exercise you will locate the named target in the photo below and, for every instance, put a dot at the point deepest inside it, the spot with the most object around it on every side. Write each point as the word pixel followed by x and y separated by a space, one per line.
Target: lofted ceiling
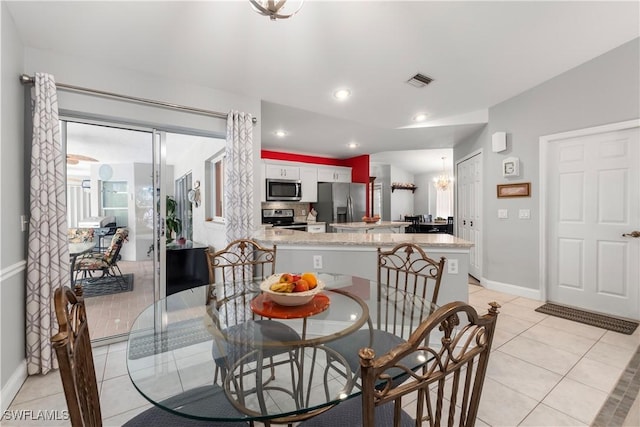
pixel 478 53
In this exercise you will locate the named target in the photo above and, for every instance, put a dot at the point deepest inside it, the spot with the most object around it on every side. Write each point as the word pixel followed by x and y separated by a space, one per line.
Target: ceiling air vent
pixel 419 80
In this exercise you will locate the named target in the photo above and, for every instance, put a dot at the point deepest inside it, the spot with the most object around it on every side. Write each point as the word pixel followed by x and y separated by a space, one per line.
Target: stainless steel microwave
pixel 283 190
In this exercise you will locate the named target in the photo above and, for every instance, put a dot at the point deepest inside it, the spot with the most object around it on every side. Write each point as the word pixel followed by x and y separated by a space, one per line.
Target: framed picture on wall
pixel 522 189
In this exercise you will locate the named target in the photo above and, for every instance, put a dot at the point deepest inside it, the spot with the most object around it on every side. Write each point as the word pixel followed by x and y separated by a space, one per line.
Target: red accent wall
pixel 359 168
pixel 359 165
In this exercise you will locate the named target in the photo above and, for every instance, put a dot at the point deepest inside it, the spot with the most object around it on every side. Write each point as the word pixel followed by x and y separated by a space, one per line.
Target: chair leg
pixel 259 391
pixel 117 273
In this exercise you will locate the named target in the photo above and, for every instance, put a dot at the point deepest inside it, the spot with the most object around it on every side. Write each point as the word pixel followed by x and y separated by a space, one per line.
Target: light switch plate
pixel 524 214
pixel 503 213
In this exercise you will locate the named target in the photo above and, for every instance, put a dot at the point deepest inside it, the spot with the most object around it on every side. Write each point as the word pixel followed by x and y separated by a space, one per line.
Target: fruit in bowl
pixel 292 289
pixel 371 219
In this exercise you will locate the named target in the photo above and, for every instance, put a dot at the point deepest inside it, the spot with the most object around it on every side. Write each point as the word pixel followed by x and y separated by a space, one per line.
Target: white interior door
pixel 469 208
pixel 593 199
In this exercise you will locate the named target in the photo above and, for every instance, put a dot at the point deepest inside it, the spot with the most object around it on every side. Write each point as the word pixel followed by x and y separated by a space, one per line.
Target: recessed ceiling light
pixel 342 94
pixel 353 145
pixel 420 117
pixel 280 133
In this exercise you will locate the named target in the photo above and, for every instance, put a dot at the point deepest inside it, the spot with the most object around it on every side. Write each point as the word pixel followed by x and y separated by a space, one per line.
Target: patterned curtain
pixel 48 253
pixel 238 176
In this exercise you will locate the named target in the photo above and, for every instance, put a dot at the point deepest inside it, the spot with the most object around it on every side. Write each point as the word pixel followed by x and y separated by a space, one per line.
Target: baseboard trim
pixel 12 387
pixel 511 289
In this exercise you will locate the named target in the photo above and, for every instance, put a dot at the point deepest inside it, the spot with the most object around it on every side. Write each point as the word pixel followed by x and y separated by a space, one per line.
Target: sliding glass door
pixel 151 183
pixel 110 189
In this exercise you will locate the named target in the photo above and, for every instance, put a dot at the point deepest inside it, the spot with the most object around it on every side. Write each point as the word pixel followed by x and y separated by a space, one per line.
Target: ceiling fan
pixel 74 159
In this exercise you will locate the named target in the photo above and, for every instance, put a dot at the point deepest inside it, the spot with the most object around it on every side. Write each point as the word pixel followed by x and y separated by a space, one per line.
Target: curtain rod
pixel 28 80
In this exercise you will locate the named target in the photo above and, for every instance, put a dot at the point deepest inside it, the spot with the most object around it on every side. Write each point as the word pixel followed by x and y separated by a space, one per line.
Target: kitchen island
pixel 364 227
pixel 356 254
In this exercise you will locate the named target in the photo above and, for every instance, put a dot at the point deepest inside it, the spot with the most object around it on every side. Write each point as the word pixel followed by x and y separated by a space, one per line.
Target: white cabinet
pixel 316 228
pixel 334 174
pixel 309 184
pixel 282 172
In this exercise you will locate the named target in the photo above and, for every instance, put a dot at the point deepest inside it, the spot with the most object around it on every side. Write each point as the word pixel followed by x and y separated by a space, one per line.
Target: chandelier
pixel 274 9
pixel 442 181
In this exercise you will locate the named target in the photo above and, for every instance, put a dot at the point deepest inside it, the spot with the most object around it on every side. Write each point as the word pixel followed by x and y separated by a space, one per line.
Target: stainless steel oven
pixel 283 190
pixel 282 218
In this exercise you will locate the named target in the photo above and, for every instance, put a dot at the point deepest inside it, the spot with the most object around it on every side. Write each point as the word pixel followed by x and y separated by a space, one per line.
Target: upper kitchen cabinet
pixel 309 181
pixel 334 174
pixel 273 171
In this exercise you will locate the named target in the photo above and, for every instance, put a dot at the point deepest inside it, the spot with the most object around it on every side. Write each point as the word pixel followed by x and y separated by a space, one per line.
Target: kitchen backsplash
pixel 300 210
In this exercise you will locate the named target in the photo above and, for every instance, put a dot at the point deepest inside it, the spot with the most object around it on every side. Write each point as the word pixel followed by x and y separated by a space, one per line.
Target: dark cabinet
pixel 186 267
pixel 434 228
pixel 418 226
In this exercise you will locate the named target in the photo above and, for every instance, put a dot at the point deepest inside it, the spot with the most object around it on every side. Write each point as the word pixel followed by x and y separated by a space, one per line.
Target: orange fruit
pixel 311 279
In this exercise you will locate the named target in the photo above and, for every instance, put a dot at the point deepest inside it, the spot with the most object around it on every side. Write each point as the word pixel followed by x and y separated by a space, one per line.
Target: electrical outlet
pixel 452 266
pixel 503 213
pixel 524 214
pixel 317 262
pixel 304 212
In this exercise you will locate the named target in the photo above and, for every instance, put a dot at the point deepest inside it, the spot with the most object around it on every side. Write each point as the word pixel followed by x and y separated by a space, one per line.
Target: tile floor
pixel 543 371
pixel 114 314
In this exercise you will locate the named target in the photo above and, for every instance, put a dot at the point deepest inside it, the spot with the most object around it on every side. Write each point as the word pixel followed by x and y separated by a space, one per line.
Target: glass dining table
pixel 171 352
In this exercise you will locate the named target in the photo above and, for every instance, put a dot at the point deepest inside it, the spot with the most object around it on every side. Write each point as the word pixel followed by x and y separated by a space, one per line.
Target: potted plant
pixel 174 224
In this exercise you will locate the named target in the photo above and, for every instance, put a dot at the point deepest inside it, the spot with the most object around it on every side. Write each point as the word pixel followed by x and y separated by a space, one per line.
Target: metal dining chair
pixel 448 387
pixel 408 283
pixel 415 223
pixel 241 263
pixel 72 345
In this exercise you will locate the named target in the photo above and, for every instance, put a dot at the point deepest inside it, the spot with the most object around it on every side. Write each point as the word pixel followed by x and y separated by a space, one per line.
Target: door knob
pixel 634 233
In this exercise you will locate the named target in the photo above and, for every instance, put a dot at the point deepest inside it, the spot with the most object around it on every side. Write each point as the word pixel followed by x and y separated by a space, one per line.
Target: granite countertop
pixel 302 238
pixel 364 225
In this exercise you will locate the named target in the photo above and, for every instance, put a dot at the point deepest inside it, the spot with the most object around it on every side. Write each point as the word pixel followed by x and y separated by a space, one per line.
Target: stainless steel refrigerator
pixel 341 202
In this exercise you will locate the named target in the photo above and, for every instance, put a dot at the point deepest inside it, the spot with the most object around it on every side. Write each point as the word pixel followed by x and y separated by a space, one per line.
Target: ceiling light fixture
pixel 280 133
pixel 353 145
pixel 342 94
pixel 275 9
pixel 420 117
pixel 442 181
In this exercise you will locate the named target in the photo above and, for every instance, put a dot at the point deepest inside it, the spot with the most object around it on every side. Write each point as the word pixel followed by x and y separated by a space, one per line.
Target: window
pixel 444 202
pixel 215 176
pixel 115 201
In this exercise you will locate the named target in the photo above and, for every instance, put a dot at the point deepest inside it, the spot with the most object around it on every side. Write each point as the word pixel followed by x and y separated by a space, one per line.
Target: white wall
pixel 603 90
pixel 194 161
pixel 12 205
pixel 401 200
pixel 425 197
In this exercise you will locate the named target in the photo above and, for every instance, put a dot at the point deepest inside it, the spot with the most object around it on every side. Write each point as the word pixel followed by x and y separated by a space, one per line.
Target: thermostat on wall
pixel 511 166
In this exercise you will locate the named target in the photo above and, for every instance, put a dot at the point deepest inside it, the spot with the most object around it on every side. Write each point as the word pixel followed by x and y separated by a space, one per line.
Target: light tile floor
pixel 114 314
pixel 543 371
